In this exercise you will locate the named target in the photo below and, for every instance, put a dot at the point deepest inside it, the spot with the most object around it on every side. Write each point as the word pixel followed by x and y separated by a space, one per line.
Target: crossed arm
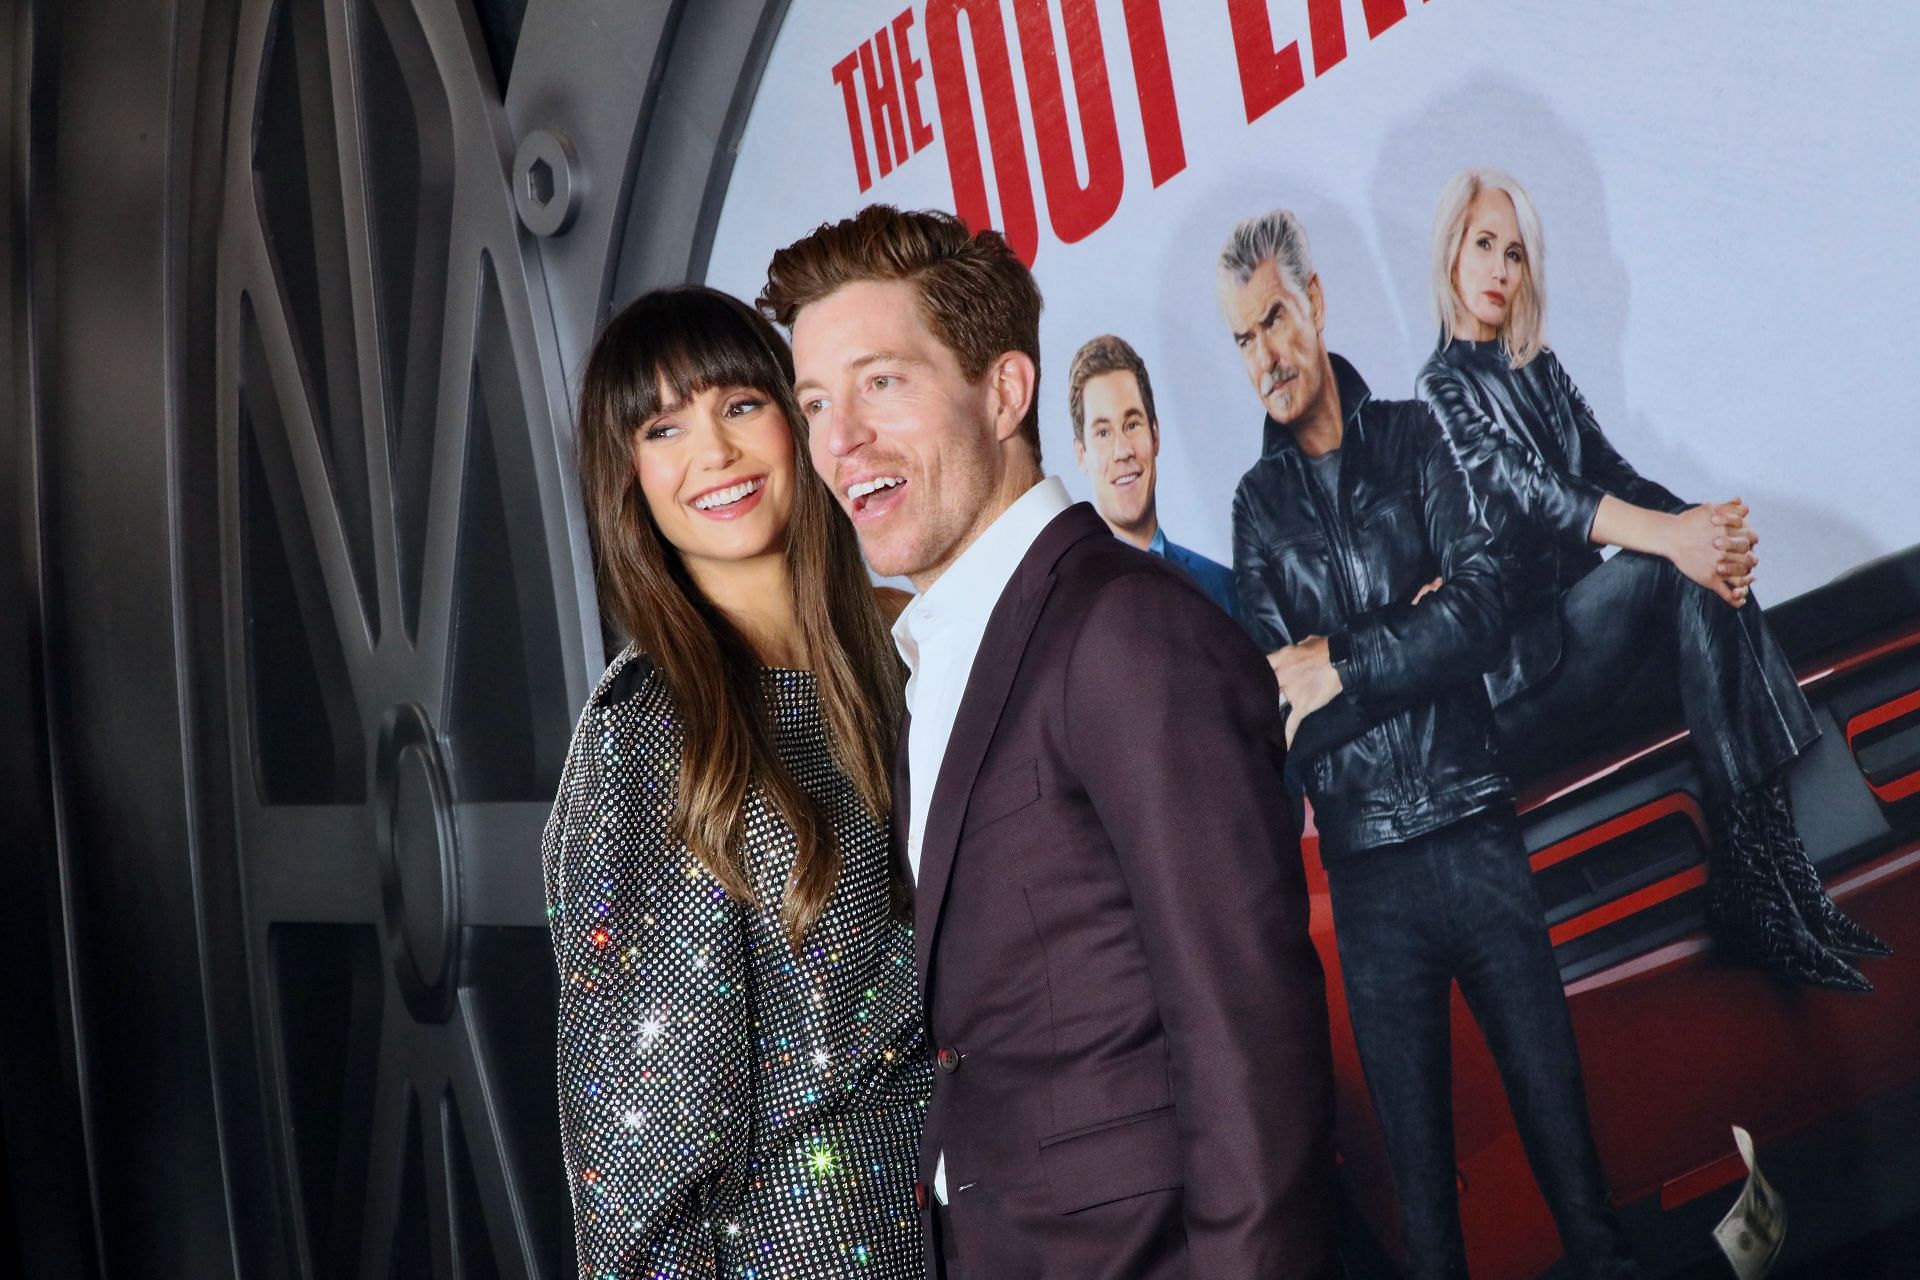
pixel 1408 650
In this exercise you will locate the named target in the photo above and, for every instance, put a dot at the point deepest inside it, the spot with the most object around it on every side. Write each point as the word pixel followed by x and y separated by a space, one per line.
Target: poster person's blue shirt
pixel 1213 578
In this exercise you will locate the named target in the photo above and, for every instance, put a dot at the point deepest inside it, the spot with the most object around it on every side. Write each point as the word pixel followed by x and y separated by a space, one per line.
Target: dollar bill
pixel 1756 1226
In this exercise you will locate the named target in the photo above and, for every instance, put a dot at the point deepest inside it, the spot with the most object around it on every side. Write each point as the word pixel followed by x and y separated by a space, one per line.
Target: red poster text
pixel 887 122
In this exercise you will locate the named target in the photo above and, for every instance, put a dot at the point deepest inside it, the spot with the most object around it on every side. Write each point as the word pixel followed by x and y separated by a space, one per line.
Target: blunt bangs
pixel 685 341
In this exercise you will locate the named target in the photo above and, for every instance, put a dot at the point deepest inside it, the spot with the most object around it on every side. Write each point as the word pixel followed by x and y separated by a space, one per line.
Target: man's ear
pixel 1080 453
pixel 1010 382
pixel 1317 302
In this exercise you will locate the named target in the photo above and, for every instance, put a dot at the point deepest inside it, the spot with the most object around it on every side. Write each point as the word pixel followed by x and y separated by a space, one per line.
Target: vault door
pixel 408 628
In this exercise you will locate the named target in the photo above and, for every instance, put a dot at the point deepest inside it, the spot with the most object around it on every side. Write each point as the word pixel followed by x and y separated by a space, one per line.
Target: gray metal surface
pixel 295 540
pixel 46 1215
pixel 406 602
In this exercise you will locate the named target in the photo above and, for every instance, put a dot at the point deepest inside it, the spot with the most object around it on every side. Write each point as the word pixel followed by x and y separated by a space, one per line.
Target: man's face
pixel 907 444
pixel 1278 333
pixel 1117 448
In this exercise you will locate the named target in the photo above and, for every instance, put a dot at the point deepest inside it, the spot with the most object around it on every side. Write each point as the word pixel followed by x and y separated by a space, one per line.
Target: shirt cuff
pixel 1340 656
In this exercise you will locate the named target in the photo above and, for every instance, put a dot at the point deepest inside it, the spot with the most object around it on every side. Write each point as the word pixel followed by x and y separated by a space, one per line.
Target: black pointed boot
pixel 1824 918
pixel 1750 912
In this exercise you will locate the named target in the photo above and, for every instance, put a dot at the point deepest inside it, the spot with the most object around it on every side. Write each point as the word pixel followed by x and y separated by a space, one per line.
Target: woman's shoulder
pixel 1446 386
pixel 622 678
pixel 625 754
pixel 631 679
pixel 1549 377
pixel 1439 361
pixel 630 690
pixel 1548 362
pixel 1444 369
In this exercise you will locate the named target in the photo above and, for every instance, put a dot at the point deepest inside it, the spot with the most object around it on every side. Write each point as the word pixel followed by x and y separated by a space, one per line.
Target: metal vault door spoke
pixel 404 606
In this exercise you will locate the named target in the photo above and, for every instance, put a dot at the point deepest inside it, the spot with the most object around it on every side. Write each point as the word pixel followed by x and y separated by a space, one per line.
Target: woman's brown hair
pixel 679 342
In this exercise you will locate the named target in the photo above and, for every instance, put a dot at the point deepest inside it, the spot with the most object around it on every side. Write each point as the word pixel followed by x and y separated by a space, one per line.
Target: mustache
pixel 1277 379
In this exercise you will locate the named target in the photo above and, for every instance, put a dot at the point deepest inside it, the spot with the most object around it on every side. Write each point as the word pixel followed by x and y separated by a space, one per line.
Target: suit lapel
pixel 988 683
pixel 900 882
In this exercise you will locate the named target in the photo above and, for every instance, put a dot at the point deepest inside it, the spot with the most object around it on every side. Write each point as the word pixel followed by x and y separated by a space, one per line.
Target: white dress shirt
pixel 939 634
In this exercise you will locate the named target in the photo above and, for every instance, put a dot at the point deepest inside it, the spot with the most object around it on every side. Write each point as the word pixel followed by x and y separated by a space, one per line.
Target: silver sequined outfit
pixel 728 1108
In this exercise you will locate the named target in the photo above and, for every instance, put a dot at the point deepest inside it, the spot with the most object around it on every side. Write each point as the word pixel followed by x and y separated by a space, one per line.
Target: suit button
pixel 948 1060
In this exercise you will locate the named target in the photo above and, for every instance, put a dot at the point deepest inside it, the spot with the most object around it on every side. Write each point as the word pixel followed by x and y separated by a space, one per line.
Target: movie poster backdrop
pixel 1727 190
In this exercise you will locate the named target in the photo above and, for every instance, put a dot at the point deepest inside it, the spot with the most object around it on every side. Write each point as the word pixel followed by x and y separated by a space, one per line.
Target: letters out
pixel 1076 209
pixel 887 121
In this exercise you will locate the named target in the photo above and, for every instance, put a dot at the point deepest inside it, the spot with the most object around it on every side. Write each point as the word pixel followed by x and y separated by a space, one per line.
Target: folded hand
pixel 1306 678
pixel 1713 546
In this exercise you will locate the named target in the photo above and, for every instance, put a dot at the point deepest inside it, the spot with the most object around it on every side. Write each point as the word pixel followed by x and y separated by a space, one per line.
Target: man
pixel 1110 915
pixel 1116 441
pixel 1363 566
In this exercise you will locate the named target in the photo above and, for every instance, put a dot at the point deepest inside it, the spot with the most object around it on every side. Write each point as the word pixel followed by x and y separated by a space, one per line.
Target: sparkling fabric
pixel 727 1107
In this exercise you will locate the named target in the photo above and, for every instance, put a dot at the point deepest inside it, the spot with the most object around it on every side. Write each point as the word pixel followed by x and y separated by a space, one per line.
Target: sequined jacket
pixel 727 1107
pixel 1539 465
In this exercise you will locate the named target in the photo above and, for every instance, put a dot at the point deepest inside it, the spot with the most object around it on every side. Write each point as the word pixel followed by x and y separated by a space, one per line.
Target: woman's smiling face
pixel 717 474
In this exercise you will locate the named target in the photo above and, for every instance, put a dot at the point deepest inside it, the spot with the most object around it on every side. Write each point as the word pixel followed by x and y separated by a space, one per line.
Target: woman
pixel 742 1072
pixel 1666 621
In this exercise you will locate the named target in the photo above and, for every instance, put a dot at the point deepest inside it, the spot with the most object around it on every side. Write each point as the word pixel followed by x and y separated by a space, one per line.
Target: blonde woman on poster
pixel 1594 644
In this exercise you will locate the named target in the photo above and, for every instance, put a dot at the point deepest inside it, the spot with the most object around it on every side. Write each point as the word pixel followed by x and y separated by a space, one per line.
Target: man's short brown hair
pixel 1105 354
pixel 976 295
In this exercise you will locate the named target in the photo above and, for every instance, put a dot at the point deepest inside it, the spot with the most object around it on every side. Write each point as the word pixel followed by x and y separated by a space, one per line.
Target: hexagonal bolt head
pixel 540 182
pixel 547 182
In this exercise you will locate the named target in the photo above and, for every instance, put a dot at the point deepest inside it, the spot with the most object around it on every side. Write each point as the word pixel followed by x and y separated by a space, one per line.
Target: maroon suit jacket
pixel 1132 1066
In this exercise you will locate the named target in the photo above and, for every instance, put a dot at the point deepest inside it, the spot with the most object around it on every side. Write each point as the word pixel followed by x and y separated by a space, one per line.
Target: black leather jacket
pixel 1539 465
pixel 1421 754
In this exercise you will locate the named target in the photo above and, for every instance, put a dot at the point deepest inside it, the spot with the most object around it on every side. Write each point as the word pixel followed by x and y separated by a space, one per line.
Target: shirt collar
pixel 967 592
pixel 1159 544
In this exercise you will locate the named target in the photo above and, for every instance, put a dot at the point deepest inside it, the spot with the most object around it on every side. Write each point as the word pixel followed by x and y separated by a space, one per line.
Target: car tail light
pixel 1632 868
pixel 1885 741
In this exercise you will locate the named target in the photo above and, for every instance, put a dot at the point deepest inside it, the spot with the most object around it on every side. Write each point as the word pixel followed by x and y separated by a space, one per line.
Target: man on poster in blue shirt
pixel 1116 438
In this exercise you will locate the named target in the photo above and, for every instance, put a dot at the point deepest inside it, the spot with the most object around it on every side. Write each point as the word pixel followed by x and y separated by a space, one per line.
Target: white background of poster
pixel 1728 188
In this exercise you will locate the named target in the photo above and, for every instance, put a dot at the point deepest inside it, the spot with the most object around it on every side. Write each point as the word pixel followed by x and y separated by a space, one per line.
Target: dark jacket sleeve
pixel 1404 652
pixel 1257 610
pixel 1601 464
pixel 1256 588
pixel 1504 468
pixel 656 1097
pixel 1182 763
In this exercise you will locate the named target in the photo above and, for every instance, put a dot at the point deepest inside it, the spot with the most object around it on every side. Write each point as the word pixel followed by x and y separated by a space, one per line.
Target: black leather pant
pixel 1410 919
pixel 1637 637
